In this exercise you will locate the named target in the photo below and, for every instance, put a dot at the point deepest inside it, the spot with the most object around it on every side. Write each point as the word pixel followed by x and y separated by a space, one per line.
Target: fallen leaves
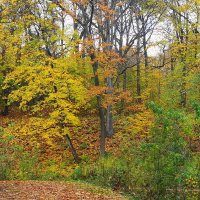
pixel 42 190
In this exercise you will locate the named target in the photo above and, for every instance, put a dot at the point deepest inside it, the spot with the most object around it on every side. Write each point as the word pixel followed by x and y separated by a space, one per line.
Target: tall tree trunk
pixel 183 92
pixel 102 126
pixel 108 41
pixel 144 45
pixel 184 40
pixel 100 108
pixel 138 80
pixel 124 81
pixel 145 58
pixel 124 86
pixel 138 72
pixel 109 121
pixel 138 63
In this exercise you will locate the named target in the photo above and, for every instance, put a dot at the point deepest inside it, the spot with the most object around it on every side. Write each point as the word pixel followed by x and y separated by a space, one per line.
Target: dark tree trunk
pixel 144 44
pixel 6 109
pixel 103 128
pixel 72 149
pixel 138 83
pixel 138 73
pixel 124 81
pixel 183 92
pixel 124 86
pixel 109 121
pixel 100 108
pixel 172 63
pixel 182 38
pixel 138 64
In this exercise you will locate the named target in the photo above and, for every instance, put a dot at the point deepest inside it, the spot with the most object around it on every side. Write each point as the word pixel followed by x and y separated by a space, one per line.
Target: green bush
pixel 15 162
pixel 155 169
pixel 108 171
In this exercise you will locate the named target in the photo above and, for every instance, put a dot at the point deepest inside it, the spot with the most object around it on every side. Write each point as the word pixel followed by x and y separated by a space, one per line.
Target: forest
pixel 104 94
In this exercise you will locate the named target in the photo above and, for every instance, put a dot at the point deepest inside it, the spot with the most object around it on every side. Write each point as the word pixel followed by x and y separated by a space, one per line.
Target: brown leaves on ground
pixel 42 190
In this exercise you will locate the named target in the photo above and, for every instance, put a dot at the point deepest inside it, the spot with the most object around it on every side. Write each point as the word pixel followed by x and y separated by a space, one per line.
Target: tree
pixel 109 26
pixel 51 93
pixel 183 17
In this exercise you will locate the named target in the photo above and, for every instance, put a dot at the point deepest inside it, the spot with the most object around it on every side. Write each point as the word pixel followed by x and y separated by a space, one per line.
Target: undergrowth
pixel 160 167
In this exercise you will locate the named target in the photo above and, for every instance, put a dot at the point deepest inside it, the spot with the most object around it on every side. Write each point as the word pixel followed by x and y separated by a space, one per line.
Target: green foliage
pixel 50 171
pixel 5 162
pixel 15 162
pixel 107 171
pixel 152 168
pixel 167 152
pixel 196 107
pixel 83 145
pixel 18 163
pixel 29 166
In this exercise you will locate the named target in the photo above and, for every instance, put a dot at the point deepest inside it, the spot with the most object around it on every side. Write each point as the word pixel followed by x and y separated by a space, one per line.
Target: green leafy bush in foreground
pixel 161 168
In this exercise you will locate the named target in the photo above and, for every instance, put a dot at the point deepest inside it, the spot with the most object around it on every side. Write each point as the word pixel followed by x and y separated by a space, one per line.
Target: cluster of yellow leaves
pixel 46 90
pixel 140 123
pixel 9 47
pixel 35 132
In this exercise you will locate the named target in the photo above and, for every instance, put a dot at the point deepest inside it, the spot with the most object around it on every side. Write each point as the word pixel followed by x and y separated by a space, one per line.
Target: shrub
pixel 158 168
pixel 108 171
pixel 15 162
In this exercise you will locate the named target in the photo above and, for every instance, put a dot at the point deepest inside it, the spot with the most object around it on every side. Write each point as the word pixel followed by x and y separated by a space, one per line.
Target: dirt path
pixel 42 190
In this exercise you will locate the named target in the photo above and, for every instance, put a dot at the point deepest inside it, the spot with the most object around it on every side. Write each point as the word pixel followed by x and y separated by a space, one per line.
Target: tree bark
pixel 100 108
pixel 72 149
pixel 109 121
pixel 138 62
pixel 6 108
pixel 138 72
pixel 144 44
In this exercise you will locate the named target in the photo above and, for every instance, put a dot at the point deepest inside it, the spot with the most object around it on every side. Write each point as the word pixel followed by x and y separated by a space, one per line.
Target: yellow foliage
pixel 140 123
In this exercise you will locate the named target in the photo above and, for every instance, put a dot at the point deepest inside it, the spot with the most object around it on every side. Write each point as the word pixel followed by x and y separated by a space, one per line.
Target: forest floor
pixel 47 190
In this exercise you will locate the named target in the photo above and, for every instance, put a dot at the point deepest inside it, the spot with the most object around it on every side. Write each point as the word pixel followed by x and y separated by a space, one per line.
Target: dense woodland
pixel 102 91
